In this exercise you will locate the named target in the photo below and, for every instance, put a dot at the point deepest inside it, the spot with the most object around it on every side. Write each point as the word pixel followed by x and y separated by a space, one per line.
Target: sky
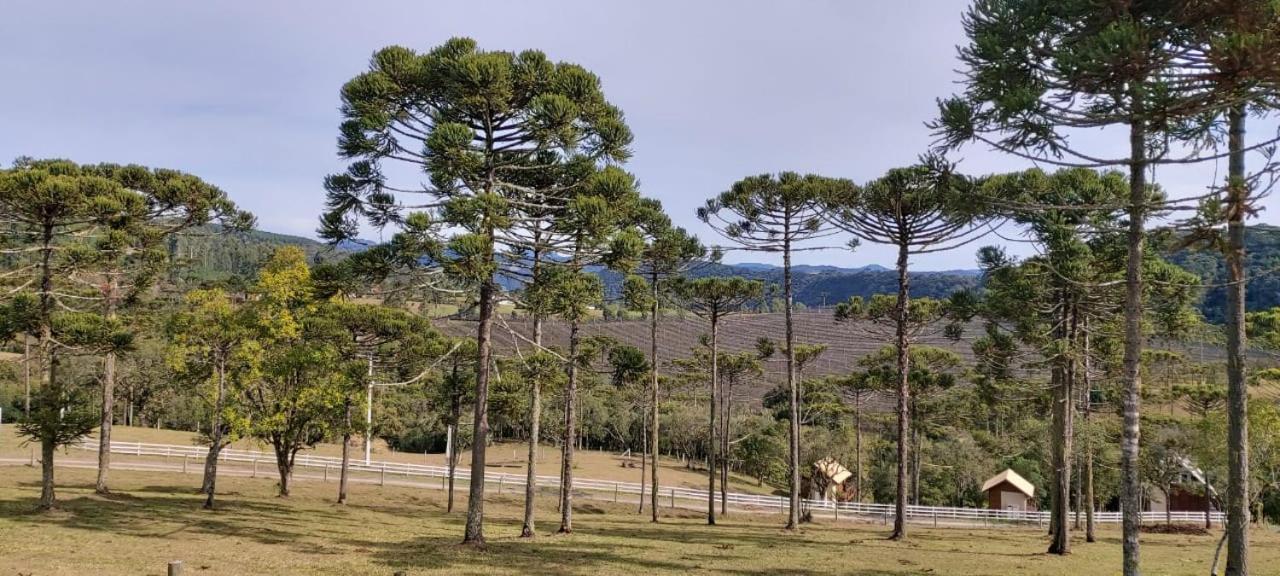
pixel 245 94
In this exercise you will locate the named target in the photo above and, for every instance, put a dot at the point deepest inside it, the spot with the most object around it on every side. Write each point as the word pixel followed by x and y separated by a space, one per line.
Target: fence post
pixel 175 568
pixel 501 477
pixel 673 498
pixel 382 478
pixel 615 493
pixel 255 468
pixel 935 517
pixel 33 456
pixel 184 464
pixel 326 472
pixel 836 506
pixel 780 502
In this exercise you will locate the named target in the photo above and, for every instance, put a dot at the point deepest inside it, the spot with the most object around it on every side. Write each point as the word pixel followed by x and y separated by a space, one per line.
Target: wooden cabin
pixel 1187 495
pixel 1010 491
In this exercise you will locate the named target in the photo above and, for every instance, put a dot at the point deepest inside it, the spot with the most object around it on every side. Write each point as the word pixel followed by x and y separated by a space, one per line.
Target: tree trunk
pixel 26 376
pixel 653 397
pixel 1208 503
pixel 904 397
pixel 47 495
pixel 726 403
pixel 480 436
pixel 286 475
pixel 712 444
pixel 215 438
pixel 346 452
pixel 1063 409
pixel 1090 499
pixel 1237 387
pixel 570 432
pixel 452 457
pixel 1130 483
pixel 108 395
pixel 915 455
pixel 793 386
pixel 644 454
pixel 857 466
pixel 535 432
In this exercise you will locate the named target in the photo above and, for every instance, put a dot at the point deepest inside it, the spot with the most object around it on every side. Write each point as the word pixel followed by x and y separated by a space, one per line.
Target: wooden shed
pixel 1009 491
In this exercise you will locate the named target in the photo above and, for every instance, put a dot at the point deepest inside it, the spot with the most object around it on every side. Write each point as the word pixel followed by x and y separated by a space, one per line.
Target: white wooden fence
pixel 194 456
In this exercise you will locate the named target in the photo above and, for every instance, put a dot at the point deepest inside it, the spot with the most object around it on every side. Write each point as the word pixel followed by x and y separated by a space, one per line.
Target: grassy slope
pixel 507 458
pixel 155 518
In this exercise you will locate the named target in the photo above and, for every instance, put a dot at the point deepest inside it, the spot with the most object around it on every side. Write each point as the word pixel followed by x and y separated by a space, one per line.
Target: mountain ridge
pixel 219 256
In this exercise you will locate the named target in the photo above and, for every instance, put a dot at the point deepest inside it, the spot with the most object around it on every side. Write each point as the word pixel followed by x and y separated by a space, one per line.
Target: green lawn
pixel 154 518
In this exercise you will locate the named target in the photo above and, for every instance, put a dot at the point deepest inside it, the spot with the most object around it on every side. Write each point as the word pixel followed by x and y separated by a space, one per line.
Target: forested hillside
pixel 214 256
pixel 1262 243
pixel 210 254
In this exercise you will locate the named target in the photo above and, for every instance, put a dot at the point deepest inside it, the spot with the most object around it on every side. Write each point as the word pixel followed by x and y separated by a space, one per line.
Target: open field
pixel 507 458
pixel 154 518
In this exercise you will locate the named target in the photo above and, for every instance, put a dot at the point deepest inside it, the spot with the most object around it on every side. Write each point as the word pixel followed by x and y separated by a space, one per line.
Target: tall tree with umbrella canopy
pixel 779 214
pixel 477 123
pixel 713 299
pixel 669 251
pixel 919 209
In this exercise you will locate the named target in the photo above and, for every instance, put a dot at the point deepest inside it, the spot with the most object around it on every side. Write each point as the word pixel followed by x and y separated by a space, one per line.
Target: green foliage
pixel 714 298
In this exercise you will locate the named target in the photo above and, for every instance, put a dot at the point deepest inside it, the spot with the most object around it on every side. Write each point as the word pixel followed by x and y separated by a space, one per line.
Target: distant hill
pixel 209 254
pixel 1262 246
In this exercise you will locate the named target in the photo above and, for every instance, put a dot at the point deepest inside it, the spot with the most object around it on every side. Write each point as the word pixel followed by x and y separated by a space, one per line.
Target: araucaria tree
pixel 779 214
pixel 1240 41
pixel 131 253
pixel 920 209
pixel 714 299
pixel 1038 73
pixel 395 345
pixel 479 124
pixel 668 252
pixel 80 236
pixel 596 222
pixel 1047 301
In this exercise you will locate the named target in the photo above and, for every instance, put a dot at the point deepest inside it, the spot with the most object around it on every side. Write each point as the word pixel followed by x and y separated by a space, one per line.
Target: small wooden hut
pixel 1009 491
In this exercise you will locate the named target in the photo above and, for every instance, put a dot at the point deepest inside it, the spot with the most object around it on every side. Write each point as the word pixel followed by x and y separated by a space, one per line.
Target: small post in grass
pixel 184 464
pixel 175 568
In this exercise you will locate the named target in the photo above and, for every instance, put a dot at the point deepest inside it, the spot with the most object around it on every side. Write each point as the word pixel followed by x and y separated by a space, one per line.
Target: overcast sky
pixel 245 94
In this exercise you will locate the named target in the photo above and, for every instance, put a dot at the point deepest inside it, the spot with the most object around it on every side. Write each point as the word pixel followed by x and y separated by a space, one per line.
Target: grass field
pixel 154 518
pixel 507 458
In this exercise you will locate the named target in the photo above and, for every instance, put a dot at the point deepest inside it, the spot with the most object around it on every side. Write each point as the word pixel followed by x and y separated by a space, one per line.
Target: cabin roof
pixel 1013 479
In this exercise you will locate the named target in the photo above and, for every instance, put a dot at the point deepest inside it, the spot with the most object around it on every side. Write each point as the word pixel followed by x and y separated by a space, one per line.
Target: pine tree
pixel 778 214
pixel 668 253
pixel 478 123
pixel 921 209
pixel 713 299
